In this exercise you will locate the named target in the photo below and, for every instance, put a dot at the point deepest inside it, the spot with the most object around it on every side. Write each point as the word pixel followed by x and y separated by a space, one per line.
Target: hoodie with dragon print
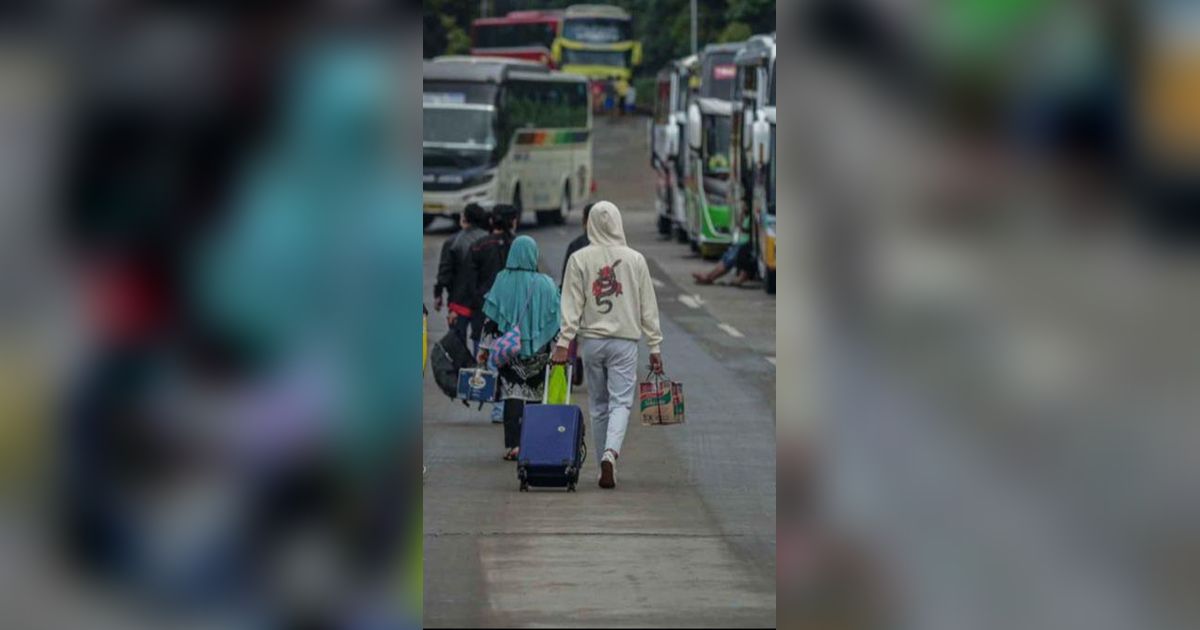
pixel 607 291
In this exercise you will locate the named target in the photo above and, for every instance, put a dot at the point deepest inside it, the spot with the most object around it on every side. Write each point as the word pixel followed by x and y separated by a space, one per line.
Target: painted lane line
pixel 658 283
pixel 689 301
pixel 730 330
pixel 771 360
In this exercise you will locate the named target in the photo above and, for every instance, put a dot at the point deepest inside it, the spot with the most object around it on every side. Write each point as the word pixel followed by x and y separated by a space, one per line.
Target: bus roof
pixel 756 49
pixel 492 70
pixel 596 10
pixel 720 48
pixel 520 17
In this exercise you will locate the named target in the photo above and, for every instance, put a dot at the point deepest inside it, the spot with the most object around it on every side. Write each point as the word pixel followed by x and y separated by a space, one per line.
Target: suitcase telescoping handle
pixel 546 383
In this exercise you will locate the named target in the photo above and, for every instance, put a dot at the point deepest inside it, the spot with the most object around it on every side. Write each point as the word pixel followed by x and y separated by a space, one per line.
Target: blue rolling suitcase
pixel 552 447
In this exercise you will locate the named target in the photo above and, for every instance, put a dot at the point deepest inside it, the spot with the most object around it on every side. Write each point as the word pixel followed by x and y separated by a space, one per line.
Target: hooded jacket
pixel 607 291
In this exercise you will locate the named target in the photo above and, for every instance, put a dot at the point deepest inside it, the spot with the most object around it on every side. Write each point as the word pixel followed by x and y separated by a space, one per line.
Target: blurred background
pixel 986 328
pixel 209 327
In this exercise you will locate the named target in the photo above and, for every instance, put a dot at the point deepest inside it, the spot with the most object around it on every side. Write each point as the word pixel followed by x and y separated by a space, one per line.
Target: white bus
pixel 504 131
pixel 752 152
pixel 667 133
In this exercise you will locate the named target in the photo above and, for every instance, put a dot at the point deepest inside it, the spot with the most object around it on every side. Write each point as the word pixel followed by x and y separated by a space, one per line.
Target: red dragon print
pixel 606 286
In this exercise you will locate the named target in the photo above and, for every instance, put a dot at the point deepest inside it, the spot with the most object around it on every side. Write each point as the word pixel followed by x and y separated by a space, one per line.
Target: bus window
pixel 459 92
pixel 544 104
pixel 615 58
pixel 717 131
pixel 749 79
pixel 514 35
pixel 662 104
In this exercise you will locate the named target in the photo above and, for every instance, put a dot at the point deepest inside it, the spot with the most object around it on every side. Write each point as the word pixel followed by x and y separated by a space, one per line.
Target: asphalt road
pixel 688 537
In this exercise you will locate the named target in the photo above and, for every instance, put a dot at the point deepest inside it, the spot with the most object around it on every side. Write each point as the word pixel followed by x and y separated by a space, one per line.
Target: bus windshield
pixel 719 75
pixel 717 131
pixel 459 128
pixel 514 35
pixel 597 30
pixel 615 58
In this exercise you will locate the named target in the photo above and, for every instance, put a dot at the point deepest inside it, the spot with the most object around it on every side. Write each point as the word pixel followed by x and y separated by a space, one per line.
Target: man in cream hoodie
pixel 608 302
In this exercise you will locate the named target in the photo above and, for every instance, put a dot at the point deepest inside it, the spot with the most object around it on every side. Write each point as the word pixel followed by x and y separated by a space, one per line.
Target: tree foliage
pixel 663 26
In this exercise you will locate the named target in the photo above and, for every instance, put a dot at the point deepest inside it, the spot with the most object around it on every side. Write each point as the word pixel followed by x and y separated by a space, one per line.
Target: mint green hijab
pixel 522 296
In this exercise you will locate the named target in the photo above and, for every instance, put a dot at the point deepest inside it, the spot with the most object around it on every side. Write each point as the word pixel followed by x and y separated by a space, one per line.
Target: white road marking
pixel 658 283
pixel 733 332
pixel 690 300
pixel 771 360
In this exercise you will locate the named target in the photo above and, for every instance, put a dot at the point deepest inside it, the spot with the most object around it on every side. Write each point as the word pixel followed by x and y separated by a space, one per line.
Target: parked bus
pixel 596 41
pixel 504 131
pixel 709 132
pixel 528 35
pixel 752 154
pixel 1166 120
pixel 667 136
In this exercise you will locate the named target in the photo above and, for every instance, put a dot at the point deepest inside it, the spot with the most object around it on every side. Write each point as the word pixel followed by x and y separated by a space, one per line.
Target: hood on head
pixel 604 225
pixel 523 254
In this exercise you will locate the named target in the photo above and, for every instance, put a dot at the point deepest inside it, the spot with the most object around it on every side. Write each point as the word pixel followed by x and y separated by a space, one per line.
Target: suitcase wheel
pixel 524 487
pixel 571 487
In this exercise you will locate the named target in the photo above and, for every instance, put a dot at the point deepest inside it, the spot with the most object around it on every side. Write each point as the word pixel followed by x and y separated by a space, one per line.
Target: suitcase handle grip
pixel 546 383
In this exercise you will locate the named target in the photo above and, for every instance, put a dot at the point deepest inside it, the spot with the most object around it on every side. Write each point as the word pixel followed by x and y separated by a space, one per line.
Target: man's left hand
pixel 559 356
pixel 656 363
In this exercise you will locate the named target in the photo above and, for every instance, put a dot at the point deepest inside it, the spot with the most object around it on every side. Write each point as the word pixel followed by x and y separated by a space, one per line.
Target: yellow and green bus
pixel 596 41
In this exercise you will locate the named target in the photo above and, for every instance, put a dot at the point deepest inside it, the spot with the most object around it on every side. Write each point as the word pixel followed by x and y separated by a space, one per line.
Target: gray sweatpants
pixel 611 369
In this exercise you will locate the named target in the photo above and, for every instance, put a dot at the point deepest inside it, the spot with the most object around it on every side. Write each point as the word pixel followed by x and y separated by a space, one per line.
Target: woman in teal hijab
pixel 522 297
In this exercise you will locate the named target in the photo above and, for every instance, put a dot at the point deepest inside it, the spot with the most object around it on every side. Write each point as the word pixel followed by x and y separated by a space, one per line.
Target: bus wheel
pixel 556 217
pixel 426 219
pixel 664 225
pixel 516 203
pixel 769 282
pixel 708 251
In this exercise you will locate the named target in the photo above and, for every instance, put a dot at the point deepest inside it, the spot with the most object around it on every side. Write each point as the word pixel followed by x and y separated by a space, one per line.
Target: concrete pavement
pixel 688 537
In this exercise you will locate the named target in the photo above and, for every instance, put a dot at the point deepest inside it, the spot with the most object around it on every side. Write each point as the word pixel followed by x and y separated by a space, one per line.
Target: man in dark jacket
pixel 489 254
pixel 454 275
pixel 579 243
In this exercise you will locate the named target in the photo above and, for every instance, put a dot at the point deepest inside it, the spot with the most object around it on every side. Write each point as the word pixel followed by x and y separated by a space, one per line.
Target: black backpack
pixel 449 355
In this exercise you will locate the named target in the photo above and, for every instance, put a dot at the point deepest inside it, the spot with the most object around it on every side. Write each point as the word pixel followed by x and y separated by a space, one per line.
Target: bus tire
pixel 769 282
pixel 664 225
pixel 516 203
pixel 709 251
pixel 556 217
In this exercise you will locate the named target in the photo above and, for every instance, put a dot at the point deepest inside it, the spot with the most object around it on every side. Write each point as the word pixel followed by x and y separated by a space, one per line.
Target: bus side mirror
pixel 693 127
pixel 762 141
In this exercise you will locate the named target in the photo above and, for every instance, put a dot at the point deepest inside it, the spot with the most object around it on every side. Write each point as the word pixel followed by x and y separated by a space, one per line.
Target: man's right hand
pixel 559 356
pixel 656 363
pixel 437 303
